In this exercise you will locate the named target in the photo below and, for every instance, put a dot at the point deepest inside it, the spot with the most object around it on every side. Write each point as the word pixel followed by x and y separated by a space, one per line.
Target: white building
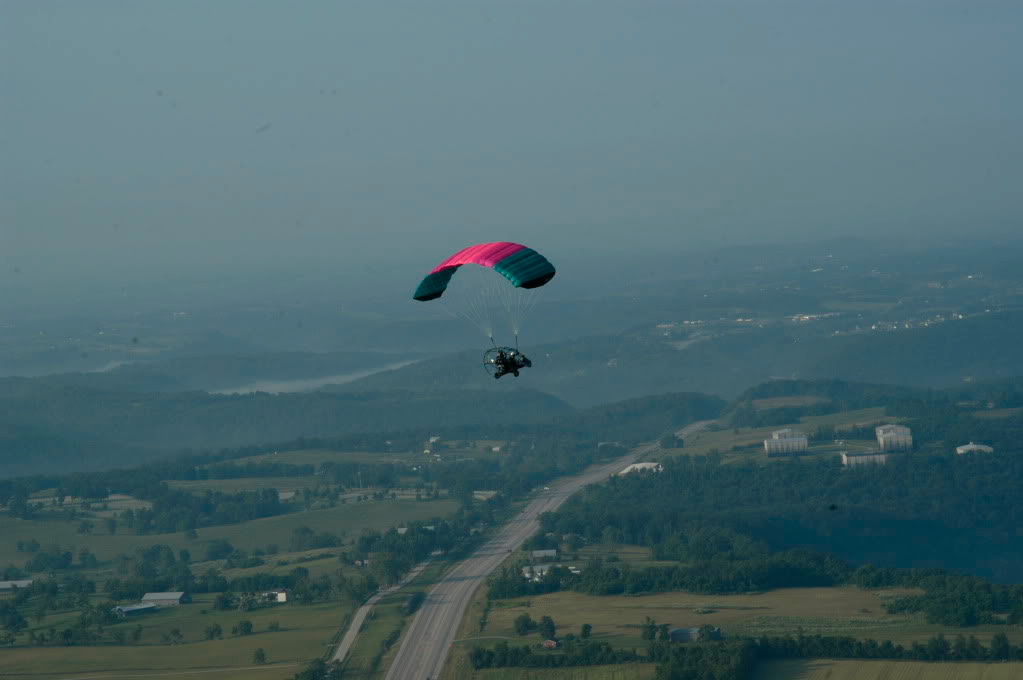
pixel 973 448
pixel 854 459
pixel 786 441
pixel 894 437
pixel 640 467
pixel 276 595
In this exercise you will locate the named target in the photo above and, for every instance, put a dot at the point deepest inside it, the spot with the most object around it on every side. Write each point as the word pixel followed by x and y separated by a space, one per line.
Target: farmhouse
pixel 165 599
pixel 276 595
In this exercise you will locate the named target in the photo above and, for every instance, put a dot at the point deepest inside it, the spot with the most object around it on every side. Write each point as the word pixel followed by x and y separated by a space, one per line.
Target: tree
pixel 222 601
pixel 1000 648
pixel 214 632
pixel 243 627
pixel 648 629
pixel 111 525
pixel 547 628
pixel 523 624
pixel 259 656
pixel 662 632
pixel 585 632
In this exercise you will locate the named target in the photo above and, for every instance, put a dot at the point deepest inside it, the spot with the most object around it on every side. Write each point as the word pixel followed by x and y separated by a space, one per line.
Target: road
pixel 426 643
pixel 363 612
pixel 693 428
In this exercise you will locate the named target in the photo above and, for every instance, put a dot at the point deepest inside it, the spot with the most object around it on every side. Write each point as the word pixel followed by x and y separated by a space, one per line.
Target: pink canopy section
pixel 483 254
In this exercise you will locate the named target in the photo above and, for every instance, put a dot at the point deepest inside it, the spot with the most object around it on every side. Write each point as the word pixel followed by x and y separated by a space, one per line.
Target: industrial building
pixel 165 599
pixel 869 458
pixel 973 448
pixel 786 442
pixel 894 438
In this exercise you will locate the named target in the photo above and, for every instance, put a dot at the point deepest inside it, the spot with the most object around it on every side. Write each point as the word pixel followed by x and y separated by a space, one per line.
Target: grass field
pixel 996 413
pixel 640 671
pixel 318 456
pixel 246 484
pixel 780 402
pixel 616 619
pixel 825 611
pixel 828 669
pixel 348 518
pixel 305 632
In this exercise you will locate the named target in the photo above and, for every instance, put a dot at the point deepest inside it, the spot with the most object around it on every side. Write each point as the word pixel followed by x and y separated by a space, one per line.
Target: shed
pixel 541 554
pixel 165 599
pixel 973 448
pixel 133 609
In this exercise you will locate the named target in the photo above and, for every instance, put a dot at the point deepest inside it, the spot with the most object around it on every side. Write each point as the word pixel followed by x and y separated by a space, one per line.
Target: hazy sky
pixel 158 139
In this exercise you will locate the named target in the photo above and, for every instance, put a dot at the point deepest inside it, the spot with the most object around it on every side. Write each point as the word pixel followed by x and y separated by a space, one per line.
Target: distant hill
pixel 606 369
pixel 44 421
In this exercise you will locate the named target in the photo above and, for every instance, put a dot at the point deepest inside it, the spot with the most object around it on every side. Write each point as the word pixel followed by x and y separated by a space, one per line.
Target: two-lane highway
pixel 425 645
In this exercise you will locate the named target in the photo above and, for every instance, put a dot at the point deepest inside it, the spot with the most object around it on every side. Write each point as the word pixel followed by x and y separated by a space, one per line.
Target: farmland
pixel 830 669
pixel 845 611
pixel 347 518
pixel 643 671
pixel 304 633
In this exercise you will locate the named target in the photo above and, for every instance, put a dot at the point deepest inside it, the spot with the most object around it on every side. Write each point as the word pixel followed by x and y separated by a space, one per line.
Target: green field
pixel 825 611
pixel 481 449
pixel 639 671
pixel 305 633
pixel 847 669
pixel 780 402
pixel 246 484
pixel 996 413
pixel 349 518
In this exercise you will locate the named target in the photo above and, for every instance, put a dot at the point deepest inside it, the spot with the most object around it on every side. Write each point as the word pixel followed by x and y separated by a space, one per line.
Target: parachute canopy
pixel 523 266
